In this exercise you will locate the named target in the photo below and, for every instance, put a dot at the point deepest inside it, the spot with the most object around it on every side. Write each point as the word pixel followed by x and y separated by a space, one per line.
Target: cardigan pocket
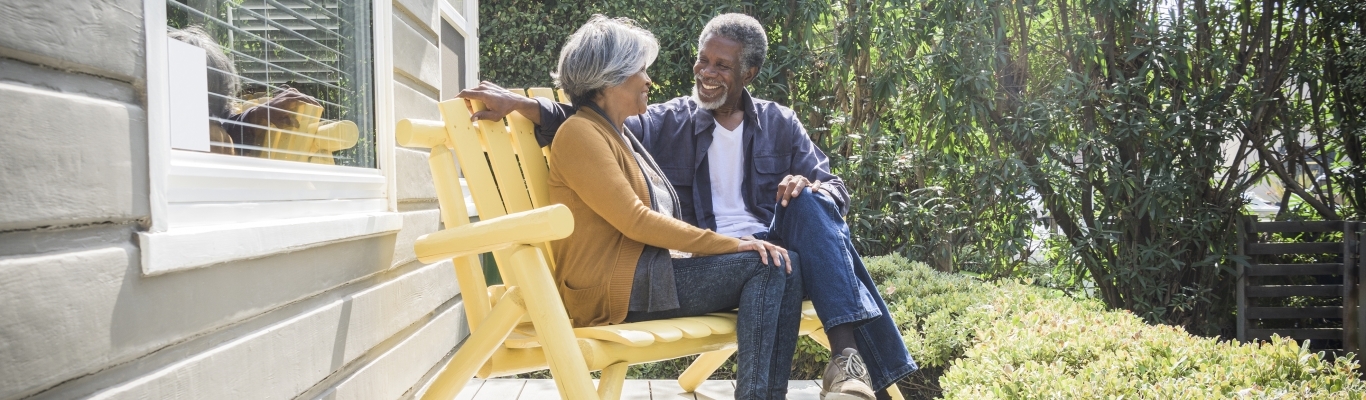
pixel 585 306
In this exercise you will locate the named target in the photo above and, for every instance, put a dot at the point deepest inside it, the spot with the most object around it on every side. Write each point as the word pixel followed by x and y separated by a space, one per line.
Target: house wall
pixel 357 319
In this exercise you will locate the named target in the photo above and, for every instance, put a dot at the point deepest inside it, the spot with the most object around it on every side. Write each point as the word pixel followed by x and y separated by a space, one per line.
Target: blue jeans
pixel 838 284
pixel 770 308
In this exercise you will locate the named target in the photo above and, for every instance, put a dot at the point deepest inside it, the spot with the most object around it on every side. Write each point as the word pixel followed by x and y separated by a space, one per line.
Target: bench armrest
pixel 543 224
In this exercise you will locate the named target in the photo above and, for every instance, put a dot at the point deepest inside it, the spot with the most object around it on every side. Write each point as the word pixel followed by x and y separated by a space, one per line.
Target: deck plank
pixel 803 390
pixel 635 389
pixel 715 390
pixel 539 389
pixel 500 389
pixel 668 390
pixel 470 389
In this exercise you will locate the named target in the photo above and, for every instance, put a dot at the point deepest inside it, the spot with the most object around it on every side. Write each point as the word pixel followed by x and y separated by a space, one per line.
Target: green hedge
pixel 1013 340
pixel 1010 340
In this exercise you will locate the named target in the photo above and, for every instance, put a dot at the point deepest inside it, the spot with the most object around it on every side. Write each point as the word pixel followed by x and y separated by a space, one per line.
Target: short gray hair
pixel 740 28
pixel 602 54
pixel 223 83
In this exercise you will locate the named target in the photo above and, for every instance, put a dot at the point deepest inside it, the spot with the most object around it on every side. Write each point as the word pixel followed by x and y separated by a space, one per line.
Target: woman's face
pixel 631 95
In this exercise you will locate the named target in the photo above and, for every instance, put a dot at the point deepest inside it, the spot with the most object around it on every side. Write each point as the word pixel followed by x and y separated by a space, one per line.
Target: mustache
pixel 699 79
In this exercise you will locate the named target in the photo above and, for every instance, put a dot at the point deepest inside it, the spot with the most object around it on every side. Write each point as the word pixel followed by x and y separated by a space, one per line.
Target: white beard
pixel 712 105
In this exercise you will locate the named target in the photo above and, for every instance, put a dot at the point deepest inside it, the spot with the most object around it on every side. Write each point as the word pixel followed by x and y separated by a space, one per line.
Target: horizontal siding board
pixel 76 166
pixel 410 103
pixel 414 175
pixel 415 56
pixel 100 37
pixel 396 371
pixel 286 358
pixel 415 224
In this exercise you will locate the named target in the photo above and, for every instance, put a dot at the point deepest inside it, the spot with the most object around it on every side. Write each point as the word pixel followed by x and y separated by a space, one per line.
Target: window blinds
pixel 294 80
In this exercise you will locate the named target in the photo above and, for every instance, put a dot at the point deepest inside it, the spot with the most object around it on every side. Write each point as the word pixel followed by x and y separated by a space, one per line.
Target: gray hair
pixel 743 29
pixel 602 54
pixel 223 83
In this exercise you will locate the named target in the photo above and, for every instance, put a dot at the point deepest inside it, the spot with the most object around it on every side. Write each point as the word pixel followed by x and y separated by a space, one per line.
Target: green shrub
pixel 1013 340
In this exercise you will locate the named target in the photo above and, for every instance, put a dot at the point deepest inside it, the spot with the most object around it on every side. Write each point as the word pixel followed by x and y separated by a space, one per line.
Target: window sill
pixel 197 247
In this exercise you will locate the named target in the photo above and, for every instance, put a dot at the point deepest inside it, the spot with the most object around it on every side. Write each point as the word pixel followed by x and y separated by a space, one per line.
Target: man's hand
pixel 498 102
pixel 791 187
pixel 767 250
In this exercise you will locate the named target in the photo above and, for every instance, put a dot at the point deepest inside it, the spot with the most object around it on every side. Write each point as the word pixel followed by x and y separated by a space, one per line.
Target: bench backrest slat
pixel 463 137
pixel 506 171
pixel 531 158
pixel 535 166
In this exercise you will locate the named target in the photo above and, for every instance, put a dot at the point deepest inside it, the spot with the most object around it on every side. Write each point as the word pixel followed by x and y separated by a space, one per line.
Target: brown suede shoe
pixel 846 378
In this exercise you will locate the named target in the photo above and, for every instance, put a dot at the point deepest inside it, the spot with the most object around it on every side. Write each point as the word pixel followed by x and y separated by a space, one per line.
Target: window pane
pixel 288 79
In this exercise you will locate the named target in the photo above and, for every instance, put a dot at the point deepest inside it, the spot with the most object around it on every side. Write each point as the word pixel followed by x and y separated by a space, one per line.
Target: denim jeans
pixel 770 305
pixel 839 285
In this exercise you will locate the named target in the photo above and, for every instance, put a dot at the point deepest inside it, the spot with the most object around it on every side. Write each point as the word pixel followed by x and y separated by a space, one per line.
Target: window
pixel 286 79
pixel 268 128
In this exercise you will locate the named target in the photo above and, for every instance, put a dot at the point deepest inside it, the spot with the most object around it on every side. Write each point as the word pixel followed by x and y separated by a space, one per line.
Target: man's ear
pixel 750 74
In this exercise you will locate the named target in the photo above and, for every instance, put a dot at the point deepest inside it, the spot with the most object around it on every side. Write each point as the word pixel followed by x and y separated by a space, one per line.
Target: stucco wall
pixel 357 319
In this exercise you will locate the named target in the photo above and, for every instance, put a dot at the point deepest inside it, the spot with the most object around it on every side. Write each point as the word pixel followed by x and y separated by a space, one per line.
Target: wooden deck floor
pixel 538 389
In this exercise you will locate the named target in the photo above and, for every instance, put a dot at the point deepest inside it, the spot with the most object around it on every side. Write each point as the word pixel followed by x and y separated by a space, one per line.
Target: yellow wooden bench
pixel 521 326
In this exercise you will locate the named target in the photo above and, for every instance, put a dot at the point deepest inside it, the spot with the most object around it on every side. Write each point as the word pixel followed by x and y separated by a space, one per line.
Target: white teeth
pixel 704 86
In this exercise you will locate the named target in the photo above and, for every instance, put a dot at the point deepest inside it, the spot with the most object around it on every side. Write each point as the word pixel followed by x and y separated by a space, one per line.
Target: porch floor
pixel 635 389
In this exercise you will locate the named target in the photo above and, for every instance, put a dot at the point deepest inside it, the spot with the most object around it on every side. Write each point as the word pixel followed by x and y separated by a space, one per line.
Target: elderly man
pixel 745 167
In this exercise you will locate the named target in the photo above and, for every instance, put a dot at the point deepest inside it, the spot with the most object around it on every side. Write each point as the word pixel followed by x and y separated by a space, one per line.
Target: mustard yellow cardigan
pixel 593 172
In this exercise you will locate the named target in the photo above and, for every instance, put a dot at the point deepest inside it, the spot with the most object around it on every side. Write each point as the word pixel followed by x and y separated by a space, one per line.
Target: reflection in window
pixel 288 79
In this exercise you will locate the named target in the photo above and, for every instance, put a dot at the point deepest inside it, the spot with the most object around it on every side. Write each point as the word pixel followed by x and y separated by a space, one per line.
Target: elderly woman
pixel 618 266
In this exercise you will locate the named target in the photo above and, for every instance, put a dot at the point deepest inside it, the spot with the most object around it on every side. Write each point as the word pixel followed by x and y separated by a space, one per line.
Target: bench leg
pixel 477 348
pixel 547 313
pixel 702 368
pixel 613 378
pixel 894 393
pixel 820 338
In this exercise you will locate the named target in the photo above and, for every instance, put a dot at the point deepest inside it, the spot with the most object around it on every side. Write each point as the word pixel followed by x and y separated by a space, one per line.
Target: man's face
pixel 719 79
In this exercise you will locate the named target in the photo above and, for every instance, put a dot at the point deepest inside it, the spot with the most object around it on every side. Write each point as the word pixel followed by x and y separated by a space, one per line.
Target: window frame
pixel 260 206
pixel 466 23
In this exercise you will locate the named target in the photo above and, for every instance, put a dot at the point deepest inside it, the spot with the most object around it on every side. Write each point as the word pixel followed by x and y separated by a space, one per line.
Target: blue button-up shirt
pixel 678 133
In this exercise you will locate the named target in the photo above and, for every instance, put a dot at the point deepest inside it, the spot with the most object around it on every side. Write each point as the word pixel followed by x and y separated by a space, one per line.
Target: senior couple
pixel 689 207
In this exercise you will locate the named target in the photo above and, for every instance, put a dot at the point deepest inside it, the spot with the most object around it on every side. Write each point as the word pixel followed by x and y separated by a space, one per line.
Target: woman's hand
pixel 767 250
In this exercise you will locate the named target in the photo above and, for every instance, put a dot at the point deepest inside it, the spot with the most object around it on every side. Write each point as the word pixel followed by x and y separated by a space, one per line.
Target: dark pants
pixel 839 285
pixel 770 304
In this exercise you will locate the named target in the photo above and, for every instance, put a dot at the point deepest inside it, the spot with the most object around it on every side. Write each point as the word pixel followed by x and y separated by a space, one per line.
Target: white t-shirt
pixel 726 159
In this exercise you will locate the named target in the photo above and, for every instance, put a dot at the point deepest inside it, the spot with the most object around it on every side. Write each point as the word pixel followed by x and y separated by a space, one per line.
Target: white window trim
pixel 467 23
pixel 201 223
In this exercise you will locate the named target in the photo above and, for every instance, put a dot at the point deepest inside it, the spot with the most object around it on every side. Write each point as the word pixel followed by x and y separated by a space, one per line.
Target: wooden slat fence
pixel 1306 290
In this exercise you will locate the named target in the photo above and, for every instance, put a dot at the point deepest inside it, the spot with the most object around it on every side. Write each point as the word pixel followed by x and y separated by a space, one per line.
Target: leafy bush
pixel 1132 129
pixel 1012 340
